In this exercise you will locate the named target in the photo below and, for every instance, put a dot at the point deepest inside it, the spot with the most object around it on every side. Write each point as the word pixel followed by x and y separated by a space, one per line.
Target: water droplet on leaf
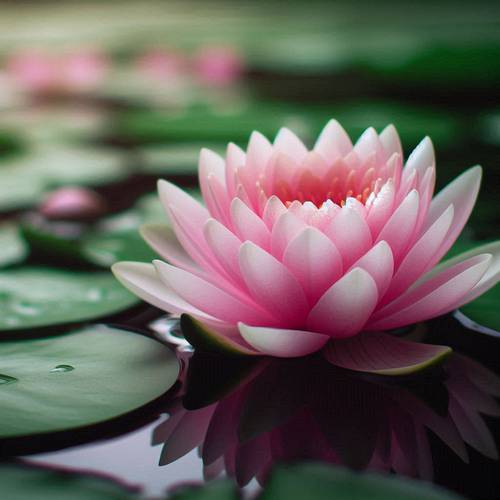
pixel 62 369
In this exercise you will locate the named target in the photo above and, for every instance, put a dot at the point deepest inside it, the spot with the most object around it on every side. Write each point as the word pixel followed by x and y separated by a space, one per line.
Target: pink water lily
pixel 299 250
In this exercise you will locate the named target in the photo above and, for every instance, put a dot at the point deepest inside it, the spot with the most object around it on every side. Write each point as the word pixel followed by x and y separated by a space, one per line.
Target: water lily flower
pixel 218 65
pixel 42 73
pixel 297 250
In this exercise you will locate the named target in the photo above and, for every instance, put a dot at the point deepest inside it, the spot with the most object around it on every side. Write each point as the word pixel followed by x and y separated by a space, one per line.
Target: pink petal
pixel 209 298
pixel 432 297
pixel 390 141
pixel 378 262
pixel 345 307
pixel 462 193
pixel 282 343
pixel 225 246
pixel 287 142
pixel 248 225
pixel 350 234
pixel 272 211
pixel 259 152
pixel 369 143
pixel 421 256
pixel 314 261
pixel 426 190
pixel 272 285
pixel 142 280
pixel 383 354
pixel 285 229
pixel 380 208
pixel 490 278
pixel 401 225
pixel 420 159
pixel 333 142
pixel 235 159
pixel 163 241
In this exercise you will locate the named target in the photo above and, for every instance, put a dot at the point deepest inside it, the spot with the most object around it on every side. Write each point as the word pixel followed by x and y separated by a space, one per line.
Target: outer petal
pixel 287 142
pixel 333 142
pixel 272 285
pixel 346 306
pixel 248 225
pixel 369 143
pixel 379 263
pixel 235 158
pixel 142 279
pixel 434 296
pixel 420 159
pixel 282 343
pixel 211 174
pixel 400 228
pixel 209 298
pixel 162 240
pixel 421 256
pixel 383 354
pixel 272 211
pixel 314 261
pixel 490 278
pixel 225 245
pixel 462 193
pixel 380 207
pixel 390 141
pixel 350 234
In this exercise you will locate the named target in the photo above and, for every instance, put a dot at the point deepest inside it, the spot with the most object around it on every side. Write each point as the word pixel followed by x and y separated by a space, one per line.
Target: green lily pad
pixel 106 248
pixel 484 310
pixel 175 159
pixel 32 297
pixel 222 489
pixel 13 249
pixel 322 482
pixel 20 482
pixel 81 378
pixel 205 125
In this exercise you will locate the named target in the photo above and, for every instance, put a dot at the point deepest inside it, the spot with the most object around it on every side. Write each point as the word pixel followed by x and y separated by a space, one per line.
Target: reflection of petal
pixel 188 434
pixel 383 354
pixel 472 428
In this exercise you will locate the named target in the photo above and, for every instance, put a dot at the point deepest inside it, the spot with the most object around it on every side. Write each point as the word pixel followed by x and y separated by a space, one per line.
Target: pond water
pixel 238 417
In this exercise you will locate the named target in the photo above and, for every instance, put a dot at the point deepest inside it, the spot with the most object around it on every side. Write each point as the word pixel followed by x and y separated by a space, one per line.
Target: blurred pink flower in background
pixel 72 203
pixel 218 65
pixel 43 73
pixel 296 250
pixel 161 64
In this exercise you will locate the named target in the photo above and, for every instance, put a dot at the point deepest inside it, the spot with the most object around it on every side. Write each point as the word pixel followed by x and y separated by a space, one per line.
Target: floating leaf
pixel 32 297
pixel 222 489
pixel 81 378
pixel 12 247
pixel 21 482
pixel 318 482
pixel 484 310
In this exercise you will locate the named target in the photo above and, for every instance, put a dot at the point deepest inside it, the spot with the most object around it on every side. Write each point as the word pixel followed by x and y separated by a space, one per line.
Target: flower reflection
pixel 243 416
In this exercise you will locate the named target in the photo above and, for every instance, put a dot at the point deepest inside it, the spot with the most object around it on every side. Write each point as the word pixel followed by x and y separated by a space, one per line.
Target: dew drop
pixel 7 379
pixel 62 369
pixel 94 295
pixel 26 309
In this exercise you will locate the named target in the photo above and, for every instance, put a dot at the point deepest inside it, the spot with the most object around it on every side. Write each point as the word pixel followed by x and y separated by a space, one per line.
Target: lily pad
pixel 105 248
pixel 13 249
pixel 20 482
pixel 319 481
pixel 32 297
pixel 81 378
pixel 484 310
pixel 175 159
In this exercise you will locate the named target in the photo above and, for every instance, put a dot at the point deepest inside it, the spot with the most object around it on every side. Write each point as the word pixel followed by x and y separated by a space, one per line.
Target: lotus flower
pixel 298 250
